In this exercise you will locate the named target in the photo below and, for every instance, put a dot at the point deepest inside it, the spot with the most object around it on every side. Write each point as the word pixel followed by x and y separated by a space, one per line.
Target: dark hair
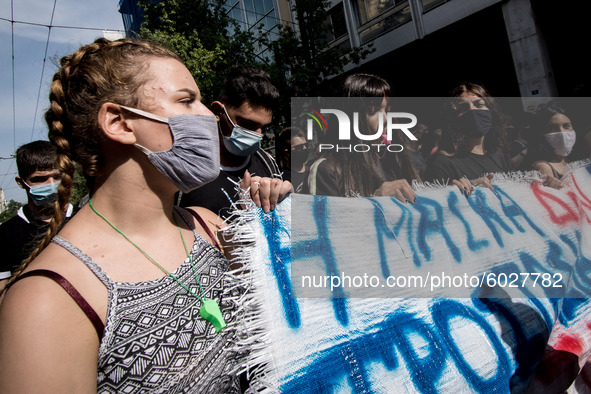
pixel 371 88
pixel 35 156
pixel 429 142
pixel 537 146
pixel 249 84
pixel 364 172
pixel 284 138
pixel 283 143
pixel 454 141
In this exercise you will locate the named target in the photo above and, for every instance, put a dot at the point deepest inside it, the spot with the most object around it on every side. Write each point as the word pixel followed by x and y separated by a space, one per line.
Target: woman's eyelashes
pixel 187 101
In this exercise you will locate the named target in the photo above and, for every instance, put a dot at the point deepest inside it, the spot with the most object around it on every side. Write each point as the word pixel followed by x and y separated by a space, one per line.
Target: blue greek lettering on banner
pixel 478 203
pixel 280 257
pixel 493 340
pixel 473 244
pixel 431 221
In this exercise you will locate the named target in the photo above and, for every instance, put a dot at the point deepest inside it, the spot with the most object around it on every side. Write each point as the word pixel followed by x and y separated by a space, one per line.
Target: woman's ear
pixel 116 124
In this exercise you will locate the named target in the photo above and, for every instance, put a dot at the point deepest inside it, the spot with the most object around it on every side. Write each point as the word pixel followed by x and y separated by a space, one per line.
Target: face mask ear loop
pixel 389 226
pixel 146 114
pixel 243 129
pixel 228 116
pixel 143 149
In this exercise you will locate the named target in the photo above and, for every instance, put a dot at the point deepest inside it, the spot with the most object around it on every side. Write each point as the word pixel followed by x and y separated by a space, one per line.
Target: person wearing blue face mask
pixel 39 177
pixel 245 110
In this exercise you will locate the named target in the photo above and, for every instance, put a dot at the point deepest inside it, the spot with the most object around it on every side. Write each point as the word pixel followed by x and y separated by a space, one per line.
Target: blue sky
pixel 18 122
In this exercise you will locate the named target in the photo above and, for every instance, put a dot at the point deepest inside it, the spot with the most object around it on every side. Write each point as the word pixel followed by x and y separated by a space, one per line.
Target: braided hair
pixel 101 72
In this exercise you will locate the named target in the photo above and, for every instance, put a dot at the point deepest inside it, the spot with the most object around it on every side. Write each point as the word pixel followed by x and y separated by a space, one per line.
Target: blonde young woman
pixel 125 298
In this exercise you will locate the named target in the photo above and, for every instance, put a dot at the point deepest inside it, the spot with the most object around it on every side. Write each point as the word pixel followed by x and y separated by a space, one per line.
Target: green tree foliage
pixel 79 188
pixel 304 64
pixel 10 211
pixel 207 40
pixel 210 42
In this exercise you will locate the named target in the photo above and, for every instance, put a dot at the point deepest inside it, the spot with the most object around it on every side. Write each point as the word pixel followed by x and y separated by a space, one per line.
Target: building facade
pixel 527 48
pixel 133 16
pixel 251 15
pixel 3 202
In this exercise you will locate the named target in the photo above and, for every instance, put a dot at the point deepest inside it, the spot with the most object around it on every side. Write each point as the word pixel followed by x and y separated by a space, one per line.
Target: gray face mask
pixel 194 158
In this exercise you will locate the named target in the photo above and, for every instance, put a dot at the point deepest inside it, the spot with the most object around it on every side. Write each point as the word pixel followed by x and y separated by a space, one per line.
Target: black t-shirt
pixel 471 166
pixel 418 161
pixel 213 195
pixel 18 238
pixel 516 147
pixel 324 182
pixel 297 179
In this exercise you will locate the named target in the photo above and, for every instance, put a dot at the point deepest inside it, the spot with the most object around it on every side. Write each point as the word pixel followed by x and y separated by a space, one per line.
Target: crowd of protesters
pixel 162 169
pixel 471 139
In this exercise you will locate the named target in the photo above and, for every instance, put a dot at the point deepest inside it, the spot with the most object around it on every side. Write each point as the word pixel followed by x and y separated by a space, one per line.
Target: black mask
pixel 298 158
pixel 475 123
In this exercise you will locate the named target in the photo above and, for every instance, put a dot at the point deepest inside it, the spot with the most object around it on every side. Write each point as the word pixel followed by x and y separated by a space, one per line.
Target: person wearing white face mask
pixel 549 153
pixel 39 177
pixel 244 110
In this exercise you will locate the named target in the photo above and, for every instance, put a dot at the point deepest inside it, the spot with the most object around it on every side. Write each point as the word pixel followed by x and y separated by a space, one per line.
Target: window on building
pixel 338 26
pixel 252 14
pixel 337 21
pixel 255 16
pixel 428 5
pixel 369 9
pixel 234 11
pixel 379 16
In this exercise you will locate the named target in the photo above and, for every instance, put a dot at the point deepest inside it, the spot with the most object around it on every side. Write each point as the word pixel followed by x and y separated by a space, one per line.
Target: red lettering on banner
pixel 570 343
pixel 585 201
pixel 561 218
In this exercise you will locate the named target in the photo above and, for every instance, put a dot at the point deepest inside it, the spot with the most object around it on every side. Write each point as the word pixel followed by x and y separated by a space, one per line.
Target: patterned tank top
pixel 155 340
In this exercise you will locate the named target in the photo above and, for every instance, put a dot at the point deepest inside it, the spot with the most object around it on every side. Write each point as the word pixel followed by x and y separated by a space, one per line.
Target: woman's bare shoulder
pixel 40 294
pixel 542 166
pixel 42 329
pixel 213 221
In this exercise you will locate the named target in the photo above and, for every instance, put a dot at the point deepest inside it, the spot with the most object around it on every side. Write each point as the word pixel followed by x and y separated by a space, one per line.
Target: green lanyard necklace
pixel 210 310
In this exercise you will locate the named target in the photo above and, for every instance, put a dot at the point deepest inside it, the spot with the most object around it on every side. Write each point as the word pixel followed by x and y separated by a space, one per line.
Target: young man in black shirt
pixel 244 109
pixel 39 177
